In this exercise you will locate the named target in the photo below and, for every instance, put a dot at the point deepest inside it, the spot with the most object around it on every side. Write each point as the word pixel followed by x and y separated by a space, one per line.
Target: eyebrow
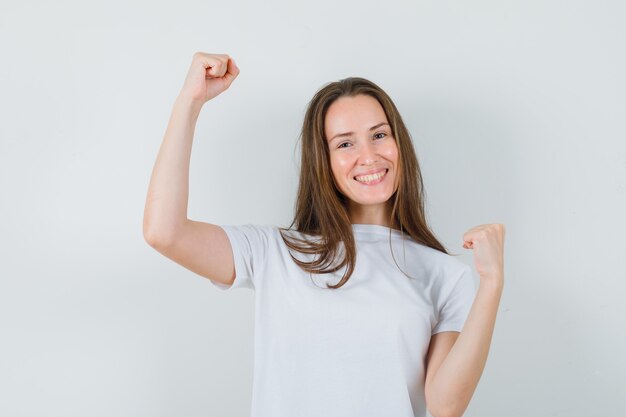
pixel 350 133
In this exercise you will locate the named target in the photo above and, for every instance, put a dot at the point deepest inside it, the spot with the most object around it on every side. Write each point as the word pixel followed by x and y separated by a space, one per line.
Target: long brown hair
pixel 323 211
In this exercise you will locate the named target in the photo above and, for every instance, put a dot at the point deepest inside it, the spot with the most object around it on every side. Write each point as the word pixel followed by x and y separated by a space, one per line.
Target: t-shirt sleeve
pixel 249 244
pixel 457 304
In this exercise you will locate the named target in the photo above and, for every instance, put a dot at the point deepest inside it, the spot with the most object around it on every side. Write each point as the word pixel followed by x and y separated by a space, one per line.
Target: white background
pixel 517 113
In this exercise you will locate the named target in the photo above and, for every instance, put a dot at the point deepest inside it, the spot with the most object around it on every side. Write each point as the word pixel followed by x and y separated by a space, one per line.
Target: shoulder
pixel 298 236
pixel 436 259
pixel 248 228
pixel 440 268
pixel 256 235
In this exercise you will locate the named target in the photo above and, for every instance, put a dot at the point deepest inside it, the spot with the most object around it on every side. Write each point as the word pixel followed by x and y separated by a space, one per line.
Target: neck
pixel 369 215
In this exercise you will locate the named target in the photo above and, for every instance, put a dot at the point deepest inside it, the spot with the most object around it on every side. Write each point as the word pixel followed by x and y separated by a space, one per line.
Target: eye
pixel 380 133
pixel 341 144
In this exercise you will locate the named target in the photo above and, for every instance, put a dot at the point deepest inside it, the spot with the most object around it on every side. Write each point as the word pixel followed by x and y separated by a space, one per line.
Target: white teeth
pixel 370 178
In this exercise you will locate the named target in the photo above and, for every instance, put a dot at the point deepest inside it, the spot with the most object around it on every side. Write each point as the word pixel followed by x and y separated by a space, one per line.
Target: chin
pixel 369 201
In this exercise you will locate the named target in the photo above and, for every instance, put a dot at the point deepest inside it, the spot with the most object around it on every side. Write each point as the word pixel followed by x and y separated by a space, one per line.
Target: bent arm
pixel 451 382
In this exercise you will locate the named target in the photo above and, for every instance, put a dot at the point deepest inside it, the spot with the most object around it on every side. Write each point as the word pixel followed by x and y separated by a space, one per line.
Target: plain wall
pixel 517 113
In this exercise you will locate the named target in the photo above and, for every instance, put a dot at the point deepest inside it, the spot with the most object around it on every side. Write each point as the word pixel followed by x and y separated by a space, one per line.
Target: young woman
pixel 360 310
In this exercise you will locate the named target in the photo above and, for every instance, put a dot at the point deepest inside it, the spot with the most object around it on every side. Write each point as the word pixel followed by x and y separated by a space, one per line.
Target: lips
pixel 372 172
pixel 372 179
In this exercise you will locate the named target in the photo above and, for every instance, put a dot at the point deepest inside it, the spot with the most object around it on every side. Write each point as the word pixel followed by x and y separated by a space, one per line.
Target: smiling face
pixel 363 156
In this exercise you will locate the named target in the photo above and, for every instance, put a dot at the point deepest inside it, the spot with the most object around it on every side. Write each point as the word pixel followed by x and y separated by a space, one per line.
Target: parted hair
pixel 322 210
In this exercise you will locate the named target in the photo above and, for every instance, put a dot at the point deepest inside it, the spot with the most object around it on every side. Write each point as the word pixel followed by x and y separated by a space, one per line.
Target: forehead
pixel 353 114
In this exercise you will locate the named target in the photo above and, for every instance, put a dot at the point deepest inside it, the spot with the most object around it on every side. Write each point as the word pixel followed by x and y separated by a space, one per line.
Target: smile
pixel 372 178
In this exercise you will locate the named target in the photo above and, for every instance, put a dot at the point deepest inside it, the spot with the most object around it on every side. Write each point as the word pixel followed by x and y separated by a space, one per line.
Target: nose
pixel 368 154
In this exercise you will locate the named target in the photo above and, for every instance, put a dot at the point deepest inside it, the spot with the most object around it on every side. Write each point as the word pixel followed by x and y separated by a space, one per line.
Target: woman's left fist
pixel 487 241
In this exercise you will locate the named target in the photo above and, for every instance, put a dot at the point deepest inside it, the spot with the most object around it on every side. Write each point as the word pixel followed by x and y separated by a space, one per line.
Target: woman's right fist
pixel 208 76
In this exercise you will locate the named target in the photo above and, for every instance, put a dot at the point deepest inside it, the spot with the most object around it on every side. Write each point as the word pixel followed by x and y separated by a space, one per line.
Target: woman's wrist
pixel 187 103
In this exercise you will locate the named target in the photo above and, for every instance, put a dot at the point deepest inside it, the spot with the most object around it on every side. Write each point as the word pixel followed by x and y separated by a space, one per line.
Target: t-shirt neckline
pixel 374 229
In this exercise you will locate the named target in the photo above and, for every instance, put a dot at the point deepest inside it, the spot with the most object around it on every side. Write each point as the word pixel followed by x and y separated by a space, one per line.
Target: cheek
pixel 339 165
pixel 391 153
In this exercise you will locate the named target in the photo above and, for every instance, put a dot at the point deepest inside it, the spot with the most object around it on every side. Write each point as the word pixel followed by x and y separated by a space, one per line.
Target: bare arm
pixel 201 247
pixel 165 212
pixel 456 361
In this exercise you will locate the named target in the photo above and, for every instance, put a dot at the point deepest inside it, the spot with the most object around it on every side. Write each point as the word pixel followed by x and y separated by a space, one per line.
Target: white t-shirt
pixel 356 351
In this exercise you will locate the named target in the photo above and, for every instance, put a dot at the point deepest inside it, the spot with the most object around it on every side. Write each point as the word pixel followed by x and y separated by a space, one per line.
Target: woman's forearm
pixel 459 373
pixel 168 193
